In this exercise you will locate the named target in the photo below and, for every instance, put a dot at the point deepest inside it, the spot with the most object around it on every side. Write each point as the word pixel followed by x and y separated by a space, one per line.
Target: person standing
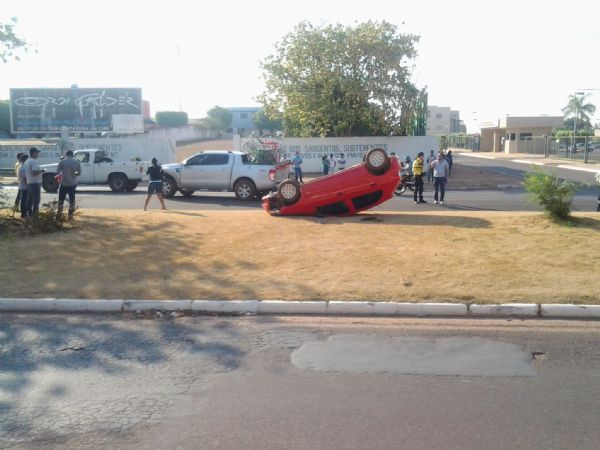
pixel 156 183
pixel 68 169
pixel 598 180
pixel 17 166
pixel 33 173
pixel 341 162
pixel 24 204
pixel 440 176
pixel 332 165
pixel 325 162
pixel 297 163
pixel 450 162
pixel 430 159
pixel 417 170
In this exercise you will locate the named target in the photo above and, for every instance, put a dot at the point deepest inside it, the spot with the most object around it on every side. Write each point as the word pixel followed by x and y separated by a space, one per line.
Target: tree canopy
pixel 10 43
pixel 262 122
pixel 4 116
pixel 579 111
pixel 342 80
pixel 171 118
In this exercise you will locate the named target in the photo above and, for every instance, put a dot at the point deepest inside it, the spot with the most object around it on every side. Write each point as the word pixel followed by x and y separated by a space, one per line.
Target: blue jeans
pixel 24 203
pixel 298 174
pixel 439 183
pixel 35 195
pixel 63 191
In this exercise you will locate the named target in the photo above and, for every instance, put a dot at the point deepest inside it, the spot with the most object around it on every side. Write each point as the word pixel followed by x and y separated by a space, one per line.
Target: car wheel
pixel 289 192
pixel 49 183
pixel 169 187
pixel 376 160
pixel 186 192
pixel 244 189
pixel 132 185
pixel 118 182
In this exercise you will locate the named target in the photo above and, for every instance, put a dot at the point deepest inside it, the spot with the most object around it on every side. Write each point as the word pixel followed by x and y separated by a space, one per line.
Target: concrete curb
pixel 349 308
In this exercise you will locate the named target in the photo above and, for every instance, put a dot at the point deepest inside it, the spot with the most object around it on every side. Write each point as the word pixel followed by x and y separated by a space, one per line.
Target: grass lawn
pixel 435 256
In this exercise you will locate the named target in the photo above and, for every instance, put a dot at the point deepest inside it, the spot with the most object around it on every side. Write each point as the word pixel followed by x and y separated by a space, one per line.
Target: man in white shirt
pixel 33 173
pixel 341 162
pixel 441 170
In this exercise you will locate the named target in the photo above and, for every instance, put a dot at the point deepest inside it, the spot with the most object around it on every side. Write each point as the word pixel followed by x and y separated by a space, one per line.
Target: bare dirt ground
pixel 463 256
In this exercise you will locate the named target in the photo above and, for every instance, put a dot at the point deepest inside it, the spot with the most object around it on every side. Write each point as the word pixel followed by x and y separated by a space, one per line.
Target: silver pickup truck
pixel 221 170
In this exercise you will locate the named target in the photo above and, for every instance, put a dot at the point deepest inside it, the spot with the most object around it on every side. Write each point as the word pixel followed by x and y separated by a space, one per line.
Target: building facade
pixel 242 120
pixel 444 120
pixel 517 134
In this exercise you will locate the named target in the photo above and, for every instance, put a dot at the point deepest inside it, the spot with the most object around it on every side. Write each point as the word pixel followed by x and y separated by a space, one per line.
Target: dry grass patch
pixel 437 256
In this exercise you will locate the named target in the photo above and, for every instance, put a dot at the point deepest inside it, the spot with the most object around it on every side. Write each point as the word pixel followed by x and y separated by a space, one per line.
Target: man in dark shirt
pixel 156 183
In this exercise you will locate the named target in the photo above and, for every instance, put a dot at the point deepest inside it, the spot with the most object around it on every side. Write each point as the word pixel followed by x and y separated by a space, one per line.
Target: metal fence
pixel 585 149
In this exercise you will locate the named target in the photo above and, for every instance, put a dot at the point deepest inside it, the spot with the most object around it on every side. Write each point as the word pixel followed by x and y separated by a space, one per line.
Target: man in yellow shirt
pixel 417 169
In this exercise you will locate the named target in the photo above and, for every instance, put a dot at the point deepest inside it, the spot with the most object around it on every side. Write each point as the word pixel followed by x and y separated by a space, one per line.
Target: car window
pixel 82 157
pixel 196 160
pixel 216 160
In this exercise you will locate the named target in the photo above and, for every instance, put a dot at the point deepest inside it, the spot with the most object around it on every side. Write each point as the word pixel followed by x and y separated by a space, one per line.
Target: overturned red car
pixel 343 193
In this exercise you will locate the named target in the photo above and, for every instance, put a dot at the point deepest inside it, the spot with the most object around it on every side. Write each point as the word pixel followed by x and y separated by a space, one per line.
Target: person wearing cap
pixel 417 170
pixel 33 173
pixel 441 170
pixel 68 169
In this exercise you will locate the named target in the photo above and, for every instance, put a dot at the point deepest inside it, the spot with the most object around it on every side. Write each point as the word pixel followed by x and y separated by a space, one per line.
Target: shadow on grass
pixel 116 258
pixel 36 348
pixel 396 219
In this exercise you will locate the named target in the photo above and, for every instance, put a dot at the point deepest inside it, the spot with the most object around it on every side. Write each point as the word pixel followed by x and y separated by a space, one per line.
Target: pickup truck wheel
pixel 186 192
pixel 118 182
pixel 131 185
pixel 244 189
pixel 49 183
pixel 289 192
pixel 376 160
pixel 169 187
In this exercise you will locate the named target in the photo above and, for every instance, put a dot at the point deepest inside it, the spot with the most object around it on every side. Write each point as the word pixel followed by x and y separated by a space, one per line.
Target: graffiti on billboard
pixel 75 109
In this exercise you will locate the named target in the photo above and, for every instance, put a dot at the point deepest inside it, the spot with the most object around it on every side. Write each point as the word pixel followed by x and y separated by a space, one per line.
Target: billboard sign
pixel 73 109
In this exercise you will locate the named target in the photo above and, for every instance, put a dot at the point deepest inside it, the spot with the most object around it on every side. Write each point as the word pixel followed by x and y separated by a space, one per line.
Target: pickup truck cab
pixel 98 168
pixel 222 170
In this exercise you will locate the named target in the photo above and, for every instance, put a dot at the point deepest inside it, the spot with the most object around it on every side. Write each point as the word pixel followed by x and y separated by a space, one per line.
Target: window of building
pixel 438 116
pixel 243 115
pixel 524 136
pixel 511 136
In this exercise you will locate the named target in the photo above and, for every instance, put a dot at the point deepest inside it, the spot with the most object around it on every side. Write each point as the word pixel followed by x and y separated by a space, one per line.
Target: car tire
pixel 244 189
pixel 49 183
pixel 289 192
pixel 186 192
pixel 169 187
pixel 377 161
pixel 131 185
pixel 118 182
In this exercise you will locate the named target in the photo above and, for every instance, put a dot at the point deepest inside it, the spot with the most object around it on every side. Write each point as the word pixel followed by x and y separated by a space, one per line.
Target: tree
pixel 263 122
pixel 10 42
pixel 218 118
pixel 341 81
pixel 579 110
pixel 171 118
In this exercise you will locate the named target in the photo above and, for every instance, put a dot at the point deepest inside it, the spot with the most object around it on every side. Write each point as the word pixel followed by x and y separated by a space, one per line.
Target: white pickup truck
pixel 98 168
pixel 222 170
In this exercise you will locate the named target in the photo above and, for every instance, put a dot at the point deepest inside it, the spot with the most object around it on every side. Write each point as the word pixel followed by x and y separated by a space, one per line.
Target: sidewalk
pixel 538 160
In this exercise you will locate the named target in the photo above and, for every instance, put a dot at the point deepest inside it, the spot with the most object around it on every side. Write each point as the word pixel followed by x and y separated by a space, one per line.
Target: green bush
pixel 171 118
pixel 551 193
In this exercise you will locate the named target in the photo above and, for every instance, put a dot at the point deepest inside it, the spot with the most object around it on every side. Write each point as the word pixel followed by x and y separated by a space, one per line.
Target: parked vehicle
pixel 343 193
pixel 98 168
pixel 247 175
pixel 406 181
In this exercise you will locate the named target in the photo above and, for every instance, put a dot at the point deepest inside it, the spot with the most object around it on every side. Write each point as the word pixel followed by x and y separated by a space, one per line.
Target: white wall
pixel 354 148
pixel 184 133
pixel 119 149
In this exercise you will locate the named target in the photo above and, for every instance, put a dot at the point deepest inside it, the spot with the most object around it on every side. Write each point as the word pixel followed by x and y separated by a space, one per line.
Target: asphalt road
pixel 77 382
pixel 100 197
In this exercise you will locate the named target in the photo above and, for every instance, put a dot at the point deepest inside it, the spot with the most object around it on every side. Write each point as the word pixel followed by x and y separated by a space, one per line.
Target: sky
pixel 485 59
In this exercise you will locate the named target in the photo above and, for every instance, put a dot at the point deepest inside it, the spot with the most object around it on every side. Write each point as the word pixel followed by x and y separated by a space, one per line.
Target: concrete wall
pixel 185 133
pixel 119 149
pixel 313 149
